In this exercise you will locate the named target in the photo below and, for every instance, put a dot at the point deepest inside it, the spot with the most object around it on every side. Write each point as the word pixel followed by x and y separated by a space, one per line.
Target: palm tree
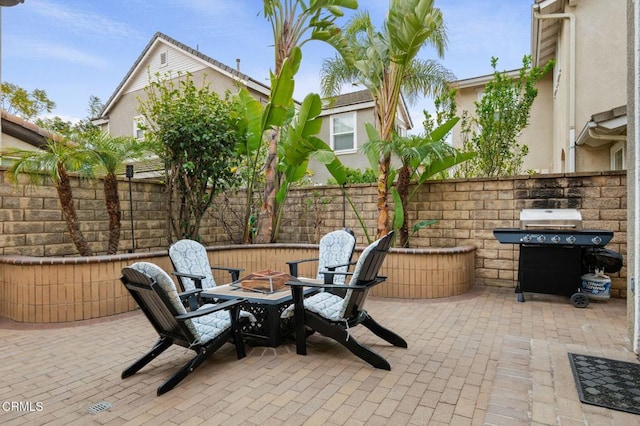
pixel 385 63
pixel 108 154
pixel 294 23
pixel 422 157
pixel 54 162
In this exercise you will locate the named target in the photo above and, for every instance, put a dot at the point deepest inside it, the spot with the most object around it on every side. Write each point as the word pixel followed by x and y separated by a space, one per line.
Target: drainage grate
pixel 99 406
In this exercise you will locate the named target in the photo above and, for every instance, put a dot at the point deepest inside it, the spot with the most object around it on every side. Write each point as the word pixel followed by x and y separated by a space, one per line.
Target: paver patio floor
pixel 481 358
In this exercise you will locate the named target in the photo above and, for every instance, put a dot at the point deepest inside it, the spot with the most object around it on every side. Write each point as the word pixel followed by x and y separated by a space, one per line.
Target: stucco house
pixel 165 56
pixel 578 121
pixel 21 134
pixel 343 129
pixel 343 117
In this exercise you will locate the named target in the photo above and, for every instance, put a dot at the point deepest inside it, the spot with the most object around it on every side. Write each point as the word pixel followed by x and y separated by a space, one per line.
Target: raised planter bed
pixel 62 289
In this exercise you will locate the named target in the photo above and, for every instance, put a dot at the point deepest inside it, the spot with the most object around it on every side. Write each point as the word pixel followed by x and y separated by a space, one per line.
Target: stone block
pixel 42 215
pixel 22 227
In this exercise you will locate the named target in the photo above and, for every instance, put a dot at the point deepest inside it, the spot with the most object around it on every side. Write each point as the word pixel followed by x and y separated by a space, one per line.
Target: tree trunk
pixel 112 201
pixel 402 186
pixel 382 200
pixel 69 212
pixel 266 217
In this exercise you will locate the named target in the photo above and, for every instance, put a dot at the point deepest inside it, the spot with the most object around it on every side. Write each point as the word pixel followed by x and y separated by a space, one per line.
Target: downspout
pixel 572 78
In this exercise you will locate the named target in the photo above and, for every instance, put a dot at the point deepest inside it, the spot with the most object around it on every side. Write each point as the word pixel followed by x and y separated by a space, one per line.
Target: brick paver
pixel 476 359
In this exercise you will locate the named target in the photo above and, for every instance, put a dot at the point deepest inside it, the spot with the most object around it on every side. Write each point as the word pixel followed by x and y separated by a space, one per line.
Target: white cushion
pixel 325 304
pixel 335 249
pixel 211 325
pixel 190 257
pixel 204 328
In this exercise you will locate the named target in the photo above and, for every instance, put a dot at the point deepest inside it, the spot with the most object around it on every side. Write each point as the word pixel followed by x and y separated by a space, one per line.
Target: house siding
pixel 177 63
pixel 125 104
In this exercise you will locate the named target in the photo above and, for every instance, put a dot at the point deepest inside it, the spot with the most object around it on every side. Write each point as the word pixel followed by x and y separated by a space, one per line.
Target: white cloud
pixel 63 117
pixel 84 22
pixel 37 49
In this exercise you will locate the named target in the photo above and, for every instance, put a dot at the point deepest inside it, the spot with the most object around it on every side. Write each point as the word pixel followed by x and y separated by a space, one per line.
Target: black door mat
pixel 607 383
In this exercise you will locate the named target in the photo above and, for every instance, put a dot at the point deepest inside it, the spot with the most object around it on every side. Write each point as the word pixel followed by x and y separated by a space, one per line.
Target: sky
pixel 74 49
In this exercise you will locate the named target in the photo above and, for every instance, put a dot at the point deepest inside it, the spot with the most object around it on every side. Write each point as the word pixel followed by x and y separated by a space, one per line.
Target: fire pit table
pixel 266 306
pixel 551 248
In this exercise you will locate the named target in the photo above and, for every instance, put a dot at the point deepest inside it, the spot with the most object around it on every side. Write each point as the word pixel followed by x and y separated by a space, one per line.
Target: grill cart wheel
pixel 579 300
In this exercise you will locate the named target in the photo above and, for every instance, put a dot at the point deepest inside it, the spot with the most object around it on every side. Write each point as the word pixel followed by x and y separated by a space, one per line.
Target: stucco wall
pixel 467 210
pixel 538 136
pixel 600 85
pixel 633 214
pixel 351 159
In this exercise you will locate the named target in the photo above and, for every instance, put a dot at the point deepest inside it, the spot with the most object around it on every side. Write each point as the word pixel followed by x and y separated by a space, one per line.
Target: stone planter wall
pixel 54 290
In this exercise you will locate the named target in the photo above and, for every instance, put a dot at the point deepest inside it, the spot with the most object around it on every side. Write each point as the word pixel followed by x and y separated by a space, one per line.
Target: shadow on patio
pixel 480 358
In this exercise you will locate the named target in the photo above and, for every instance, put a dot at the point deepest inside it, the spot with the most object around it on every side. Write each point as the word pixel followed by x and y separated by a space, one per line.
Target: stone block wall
pixel 468 210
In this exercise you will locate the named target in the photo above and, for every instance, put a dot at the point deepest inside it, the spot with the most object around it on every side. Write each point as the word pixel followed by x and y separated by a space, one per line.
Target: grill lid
pixel 550 219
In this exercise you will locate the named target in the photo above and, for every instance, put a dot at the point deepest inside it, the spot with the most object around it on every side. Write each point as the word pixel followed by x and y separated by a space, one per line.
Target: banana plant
pixel 297 130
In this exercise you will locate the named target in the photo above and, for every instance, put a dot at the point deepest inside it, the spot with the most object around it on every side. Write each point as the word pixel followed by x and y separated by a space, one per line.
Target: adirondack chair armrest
pixel 192 296
pixel 293 265
pixel 327 286
pixel 333 267
pixel 197 279
pixel 210 309
pixel 189 293
pixel 234 272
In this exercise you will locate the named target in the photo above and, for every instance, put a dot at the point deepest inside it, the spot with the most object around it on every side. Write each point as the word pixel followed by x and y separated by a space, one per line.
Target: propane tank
pixel 596 285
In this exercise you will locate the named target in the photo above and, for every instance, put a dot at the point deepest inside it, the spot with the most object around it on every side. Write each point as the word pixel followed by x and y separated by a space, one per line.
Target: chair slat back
pixel 158 310
pixel 366 273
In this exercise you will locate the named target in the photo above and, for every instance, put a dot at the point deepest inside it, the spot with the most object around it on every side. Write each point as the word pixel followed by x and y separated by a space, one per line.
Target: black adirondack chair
pixel 204 330
pixel 334 254
pixel 333 315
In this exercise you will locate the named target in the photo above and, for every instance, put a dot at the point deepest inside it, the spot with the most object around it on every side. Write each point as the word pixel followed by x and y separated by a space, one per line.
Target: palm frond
pixel 426 77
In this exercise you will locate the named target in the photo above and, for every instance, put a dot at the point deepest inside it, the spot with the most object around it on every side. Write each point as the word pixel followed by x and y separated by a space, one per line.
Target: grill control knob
pixel 555 239
pixel 596 240
pixel 571 239
pixel 526 238
pixel 541 238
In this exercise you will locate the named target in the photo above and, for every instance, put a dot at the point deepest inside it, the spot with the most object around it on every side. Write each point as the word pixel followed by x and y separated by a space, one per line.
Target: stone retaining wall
pixel 467 209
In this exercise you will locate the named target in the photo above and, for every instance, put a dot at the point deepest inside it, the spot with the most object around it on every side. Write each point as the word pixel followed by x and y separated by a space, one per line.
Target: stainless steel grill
pixel 552 227
pixel 561 219
pixel 551 249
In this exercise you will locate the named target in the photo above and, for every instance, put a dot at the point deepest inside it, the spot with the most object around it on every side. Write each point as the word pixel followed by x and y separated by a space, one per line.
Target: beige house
pixel 343 130
pixel 21 134
pixel 578 121
pixel 168 57
pixel 343 118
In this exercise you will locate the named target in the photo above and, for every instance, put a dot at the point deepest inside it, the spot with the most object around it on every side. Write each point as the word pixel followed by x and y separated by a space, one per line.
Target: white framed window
pixel 138 133
pixel 618 154
pixel 343 132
